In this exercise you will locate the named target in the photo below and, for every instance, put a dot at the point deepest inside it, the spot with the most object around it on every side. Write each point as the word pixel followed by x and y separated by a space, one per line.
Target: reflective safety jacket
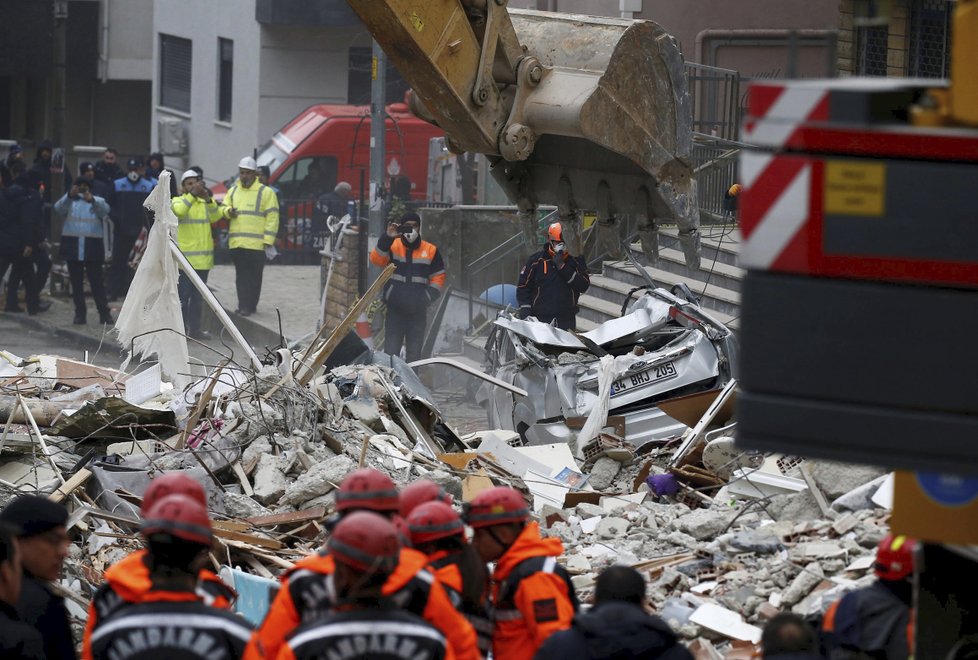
pixel 548 292
pixel 167 625
pixel 307 594
pixel 194 236
pixel 82 232
pixel 868 623
pixel 445 567
pixel 366 633
pixel 127 582
pixel 256 224
pixel 419 275
pixel 532 596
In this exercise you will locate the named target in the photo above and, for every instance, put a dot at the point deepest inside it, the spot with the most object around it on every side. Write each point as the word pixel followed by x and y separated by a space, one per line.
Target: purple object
pixel 662 484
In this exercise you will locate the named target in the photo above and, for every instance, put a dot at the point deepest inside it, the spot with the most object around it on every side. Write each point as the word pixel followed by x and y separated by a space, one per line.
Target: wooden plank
pixel 230 525
pixel 239 472
pixel 247 541
pixel 305 515
pixel 258 567
pixel 67 488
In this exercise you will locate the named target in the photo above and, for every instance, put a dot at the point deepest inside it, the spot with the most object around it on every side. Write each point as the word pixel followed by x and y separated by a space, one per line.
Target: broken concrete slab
pixel 242 506
pixel 703 524
pixel 270 482
pixel 320 479
pixel 809 578
pixel 837 479
pixel 612 528
pixel 603 473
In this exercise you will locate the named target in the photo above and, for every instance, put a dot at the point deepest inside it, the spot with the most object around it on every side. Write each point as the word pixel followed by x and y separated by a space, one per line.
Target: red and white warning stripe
pixel 776 112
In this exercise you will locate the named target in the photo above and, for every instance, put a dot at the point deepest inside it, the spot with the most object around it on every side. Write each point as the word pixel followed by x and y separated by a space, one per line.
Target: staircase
pixel 716 282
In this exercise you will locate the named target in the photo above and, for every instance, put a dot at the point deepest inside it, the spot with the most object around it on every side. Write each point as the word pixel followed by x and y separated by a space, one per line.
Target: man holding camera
pixel 418 281
pixel 196 211
pixel 551 282
pixel 82 247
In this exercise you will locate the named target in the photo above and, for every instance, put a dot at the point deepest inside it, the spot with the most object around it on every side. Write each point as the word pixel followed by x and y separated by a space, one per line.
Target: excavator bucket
pixel 582 112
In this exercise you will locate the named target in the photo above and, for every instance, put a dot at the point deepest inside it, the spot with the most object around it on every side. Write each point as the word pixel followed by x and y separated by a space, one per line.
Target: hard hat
pixel 180 516
pixel 894 557
pixel 403 533
pixel 173 483
pixel 496 506
pixel 368 489
pixel 555 233
pixel 422 491
pixel 735 189
pixel 432 521
pixel 188 174
pixel 365 541
pixel 247 163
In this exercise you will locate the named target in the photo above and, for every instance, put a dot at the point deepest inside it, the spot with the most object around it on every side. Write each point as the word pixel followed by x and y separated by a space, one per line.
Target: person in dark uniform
pixel 17 639
pixel 172 621
pixel 551 282
pixel 43 539
pixel 365 547
pixel 128 219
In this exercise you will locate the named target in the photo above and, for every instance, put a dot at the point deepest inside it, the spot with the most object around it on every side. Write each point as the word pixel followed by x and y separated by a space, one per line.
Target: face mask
pixel 411 236
pixel 133 176
pixel 558 247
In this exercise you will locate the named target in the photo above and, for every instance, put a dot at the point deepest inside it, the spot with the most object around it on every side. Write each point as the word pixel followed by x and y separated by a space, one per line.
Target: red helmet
pixel 432 521
pixel 403 534
pixel 496 506
pixel 420 492
pixel 180 516
pixel 365 541
pixel 555 233
pixel 367 489
pixel 894 557
pixel 172 483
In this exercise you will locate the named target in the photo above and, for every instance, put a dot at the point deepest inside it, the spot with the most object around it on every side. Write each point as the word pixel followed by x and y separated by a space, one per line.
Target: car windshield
pixel 272 156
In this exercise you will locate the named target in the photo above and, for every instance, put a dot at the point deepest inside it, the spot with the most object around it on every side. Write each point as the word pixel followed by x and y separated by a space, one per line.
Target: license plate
pixel 643 378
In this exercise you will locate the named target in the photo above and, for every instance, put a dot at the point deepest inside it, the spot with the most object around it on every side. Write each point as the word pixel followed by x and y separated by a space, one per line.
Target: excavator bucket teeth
pixel 604 122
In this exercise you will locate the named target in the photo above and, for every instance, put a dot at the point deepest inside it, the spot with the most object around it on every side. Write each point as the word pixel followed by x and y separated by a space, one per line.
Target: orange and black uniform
pixel 127 582
pixel 532 596
pixel 167 625
pixel 445 567
pixel 418 280
pixel 550 293
pixel 307 594
pixel 379 634
pixel 875 622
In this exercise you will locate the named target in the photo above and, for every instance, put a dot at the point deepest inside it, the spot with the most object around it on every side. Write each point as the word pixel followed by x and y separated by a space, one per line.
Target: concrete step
pixel 722 245
pixel 712 296
pixel 715 272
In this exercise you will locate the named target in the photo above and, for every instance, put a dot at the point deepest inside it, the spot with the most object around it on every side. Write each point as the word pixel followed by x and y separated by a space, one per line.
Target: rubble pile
pixel 726 538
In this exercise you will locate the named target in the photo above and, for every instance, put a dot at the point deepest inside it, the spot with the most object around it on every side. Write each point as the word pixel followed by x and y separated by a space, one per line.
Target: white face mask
pixel 412 236
pixel 133 176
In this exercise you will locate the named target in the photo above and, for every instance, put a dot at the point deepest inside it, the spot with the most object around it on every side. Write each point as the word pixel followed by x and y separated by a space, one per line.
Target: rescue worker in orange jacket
pixel 364 623
pixel 128 581
pixel 306 591
pixel 532 596
pixel 171 620
pixel 418 281
pixel 437 530
pixel 877 621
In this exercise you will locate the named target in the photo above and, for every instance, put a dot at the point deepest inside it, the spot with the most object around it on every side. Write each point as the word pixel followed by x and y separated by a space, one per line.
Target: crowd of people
pixel 404 574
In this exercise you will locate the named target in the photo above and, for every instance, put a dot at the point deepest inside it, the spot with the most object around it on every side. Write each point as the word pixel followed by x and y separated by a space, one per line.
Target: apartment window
pixel 225 68
pixel 872 42
pixel 175 61
pixel 930 37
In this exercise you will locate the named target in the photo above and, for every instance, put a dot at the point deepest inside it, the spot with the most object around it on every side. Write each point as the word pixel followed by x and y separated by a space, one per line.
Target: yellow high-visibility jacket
pixel 257 222
pixel 194 236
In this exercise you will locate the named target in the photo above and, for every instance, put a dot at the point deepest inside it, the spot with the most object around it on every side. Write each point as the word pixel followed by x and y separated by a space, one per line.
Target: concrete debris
pixel 704 524
pixel 319 480
pixel 837 479
pixel 612 528
pixel 603 473
pixel 270 479
pixel 801 586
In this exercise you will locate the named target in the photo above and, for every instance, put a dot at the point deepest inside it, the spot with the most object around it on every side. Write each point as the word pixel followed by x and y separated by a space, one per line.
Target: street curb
pixel 83 339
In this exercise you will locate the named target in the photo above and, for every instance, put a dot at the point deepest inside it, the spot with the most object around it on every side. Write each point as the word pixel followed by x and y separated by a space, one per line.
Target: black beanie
pixel 31 515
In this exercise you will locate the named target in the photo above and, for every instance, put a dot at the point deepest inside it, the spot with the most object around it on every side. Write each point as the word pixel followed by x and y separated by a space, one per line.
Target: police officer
pixel 365 550
pixel 876 622
pixel 128 580
pixel 305 594
pixel 129 218
pixel 418 281
pixel 43 539
pixel 172 620
pixel 253 212
pixel 532 596
pixel 196 211
pixel 551 283
pixel 17 639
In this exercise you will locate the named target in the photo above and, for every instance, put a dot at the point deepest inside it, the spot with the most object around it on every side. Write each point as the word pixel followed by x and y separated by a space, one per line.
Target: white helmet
pixel 248 163
pixel 188 174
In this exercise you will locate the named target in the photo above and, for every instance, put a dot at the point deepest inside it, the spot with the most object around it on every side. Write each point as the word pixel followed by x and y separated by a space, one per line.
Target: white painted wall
pixel 129 39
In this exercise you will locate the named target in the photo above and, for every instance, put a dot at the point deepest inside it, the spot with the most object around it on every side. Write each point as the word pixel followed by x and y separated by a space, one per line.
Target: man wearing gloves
pixel 418 281
pixel 551 282
pixel 252 209
pixel 196 211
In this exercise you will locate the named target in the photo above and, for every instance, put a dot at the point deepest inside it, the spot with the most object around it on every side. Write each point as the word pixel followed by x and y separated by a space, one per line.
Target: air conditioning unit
pixel 172 136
